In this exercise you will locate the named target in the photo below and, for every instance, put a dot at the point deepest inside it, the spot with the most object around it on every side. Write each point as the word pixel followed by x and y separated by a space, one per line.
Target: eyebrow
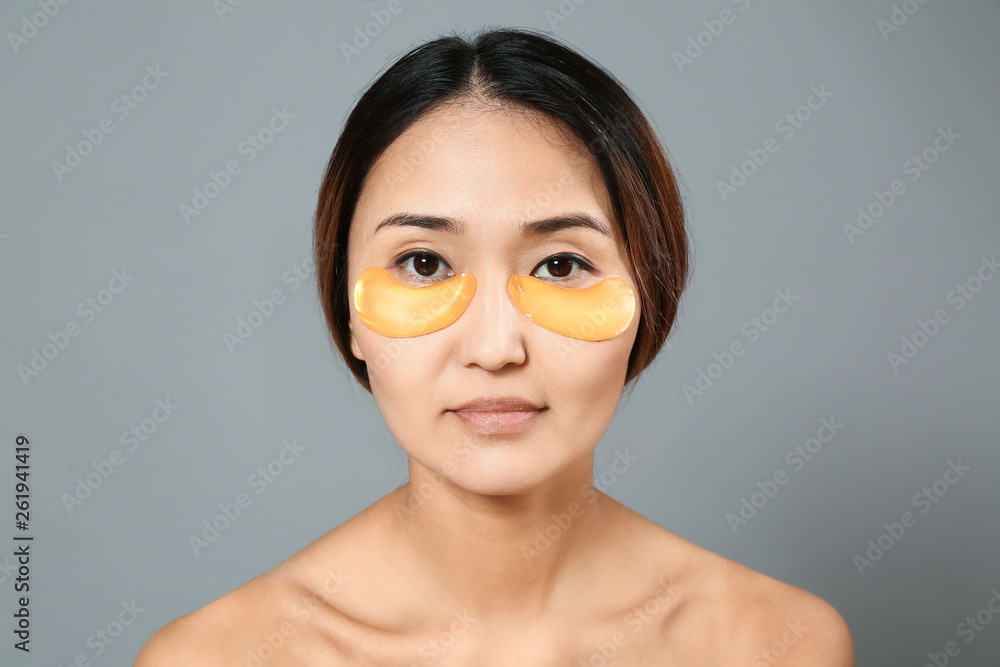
pixel 528 229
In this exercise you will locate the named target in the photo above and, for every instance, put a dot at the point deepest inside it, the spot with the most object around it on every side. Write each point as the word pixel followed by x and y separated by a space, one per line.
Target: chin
pixel 507 472
pixel 496 487
pixel 503 483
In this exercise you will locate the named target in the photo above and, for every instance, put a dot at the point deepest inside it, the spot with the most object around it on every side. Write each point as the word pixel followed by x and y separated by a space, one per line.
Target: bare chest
pixel 636 640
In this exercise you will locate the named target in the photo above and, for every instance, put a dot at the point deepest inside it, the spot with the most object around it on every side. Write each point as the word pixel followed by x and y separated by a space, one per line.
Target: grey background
pixel 162 336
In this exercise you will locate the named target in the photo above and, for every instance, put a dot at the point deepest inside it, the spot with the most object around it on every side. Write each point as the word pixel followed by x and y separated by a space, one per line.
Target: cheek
pixel 396 366
pixel 585 381
pixel 591 363
pixel 404 379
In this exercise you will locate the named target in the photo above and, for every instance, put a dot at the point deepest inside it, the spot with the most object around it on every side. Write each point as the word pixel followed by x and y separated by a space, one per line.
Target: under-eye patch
pixel 593 313
pixel 598 312
pixel 392 309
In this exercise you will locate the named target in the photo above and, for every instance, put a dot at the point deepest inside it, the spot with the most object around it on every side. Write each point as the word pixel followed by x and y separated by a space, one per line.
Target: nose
pixel 492 328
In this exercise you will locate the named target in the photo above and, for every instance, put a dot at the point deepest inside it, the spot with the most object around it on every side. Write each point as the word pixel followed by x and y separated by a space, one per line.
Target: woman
pixel 501 249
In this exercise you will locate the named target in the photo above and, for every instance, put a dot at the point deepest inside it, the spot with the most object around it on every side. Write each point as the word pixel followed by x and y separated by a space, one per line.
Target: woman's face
pixel 490 172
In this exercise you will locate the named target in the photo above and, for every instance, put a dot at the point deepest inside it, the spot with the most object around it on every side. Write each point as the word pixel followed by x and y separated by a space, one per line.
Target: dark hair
pixel 527 70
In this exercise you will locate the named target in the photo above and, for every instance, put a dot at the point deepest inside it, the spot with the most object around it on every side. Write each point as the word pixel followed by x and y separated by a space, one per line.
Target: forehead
pixel 482 163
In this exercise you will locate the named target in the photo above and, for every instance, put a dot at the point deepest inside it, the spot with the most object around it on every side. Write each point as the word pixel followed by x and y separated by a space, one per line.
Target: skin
pixel 450 569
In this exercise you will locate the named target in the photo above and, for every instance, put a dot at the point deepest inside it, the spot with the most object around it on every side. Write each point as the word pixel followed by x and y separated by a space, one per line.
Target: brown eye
pixel 561 266
pixel 425 264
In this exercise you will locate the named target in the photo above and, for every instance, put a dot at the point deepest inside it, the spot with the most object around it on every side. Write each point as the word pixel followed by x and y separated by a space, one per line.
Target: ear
pixel 355 348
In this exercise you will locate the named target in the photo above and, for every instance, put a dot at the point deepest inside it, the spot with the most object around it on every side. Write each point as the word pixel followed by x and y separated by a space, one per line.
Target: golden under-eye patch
pixel 392 309
pixel 597 312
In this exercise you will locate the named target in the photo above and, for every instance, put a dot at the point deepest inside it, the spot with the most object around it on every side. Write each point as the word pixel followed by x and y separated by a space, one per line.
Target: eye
pixel 425 264
pixel 559 266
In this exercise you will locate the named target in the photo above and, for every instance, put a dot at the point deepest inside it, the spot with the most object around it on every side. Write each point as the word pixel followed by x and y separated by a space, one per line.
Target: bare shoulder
pixel 183 641
pixel 724 613
pixel 221 632
pixel 777 621
pixel 291 615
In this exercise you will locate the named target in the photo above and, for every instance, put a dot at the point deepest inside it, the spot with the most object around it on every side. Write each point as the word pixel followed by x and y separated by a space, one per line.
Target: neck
pixel 503 555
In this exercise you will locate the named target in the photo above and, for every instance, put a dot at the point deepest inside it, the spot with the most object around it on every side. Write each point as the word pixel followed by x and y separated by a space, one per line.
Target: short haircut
pixel 527 70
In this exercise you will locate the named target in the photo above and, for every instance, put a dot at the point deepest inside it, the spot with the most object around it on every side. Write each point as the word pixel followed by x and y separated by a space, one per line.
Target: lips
pixel 500 414
pixel 500 404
